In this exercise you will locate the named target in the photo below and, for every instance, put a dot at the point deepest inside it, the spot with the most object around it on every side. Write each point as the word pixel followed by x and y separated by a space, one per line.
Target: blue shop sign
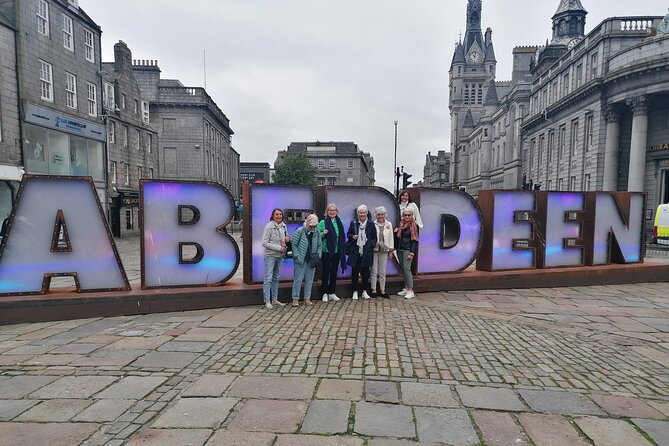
pixel 63 122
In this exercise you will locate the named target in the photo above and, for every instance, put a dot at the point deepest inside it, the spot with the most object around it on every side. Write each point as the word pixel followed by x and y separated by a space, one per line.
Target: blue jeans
pixel 270 286
pixel 306 273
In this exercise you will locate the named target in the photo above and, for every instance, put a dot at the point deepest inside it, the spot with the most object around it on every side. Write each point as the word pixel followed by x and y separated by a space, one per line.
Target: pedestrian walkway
pixel 562 366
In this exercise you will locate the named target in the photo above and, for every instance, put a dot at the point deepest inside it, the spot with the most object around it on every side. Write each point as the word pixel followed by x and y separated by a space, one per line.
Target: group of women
pixel 366 247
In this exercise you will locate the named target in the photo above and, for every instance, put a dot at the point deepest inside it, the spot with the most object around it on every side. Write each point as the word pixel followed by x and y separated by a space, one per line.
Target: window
pixel 321 164
pixel 68 41
pixel 572 183
pixel 321 181
pixel 467 95
pixel 332 181
pixel 46 81
pixel 587 182
pixel 594 61
pixel 89 45
pixel 149 143
pixel 140 173
pixel 565 84
pixel 136 106
pixel 350 163
pixel 71 91
pixel 137 141
pixel 128 218
pixel 588 132
pixel 560 184
pixel 92 99
pixel 551 145
pixel 151 172
pixel 574 138
pixel 125 136
pixel 479 96
pixel 112 172
pixel 108 96
pixel 145 112
pixel 43 17
pixel 126 176
pixel 562 141
pixel 123 101
pixel 333 164
pixel 111 132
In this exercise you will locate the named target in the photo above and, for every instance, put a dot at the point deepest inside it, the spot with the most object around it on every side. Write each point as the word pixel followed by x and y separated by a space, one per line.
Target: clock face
pixel 475 57
pixel 572 43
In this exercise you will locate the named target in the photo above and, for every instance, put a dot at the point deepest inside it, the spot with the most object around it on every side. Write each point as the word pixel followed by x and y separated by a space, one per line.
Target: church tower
pixel 472 68
pixel 569 23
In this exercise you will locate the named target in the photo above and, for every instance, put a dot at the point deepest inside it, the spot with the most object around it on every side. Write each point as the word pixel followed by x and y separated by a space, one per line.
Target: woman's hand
pixel 410 256
pixel 390 255
pixel 354 237
pixel 286 239
pixel 283 248
pixel 325 232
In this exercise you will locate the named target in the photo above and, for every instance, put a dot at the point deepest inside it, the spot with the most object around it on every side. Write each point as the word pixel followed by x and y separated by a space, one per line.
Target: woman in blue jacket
pixel 306 243
pixel 360 249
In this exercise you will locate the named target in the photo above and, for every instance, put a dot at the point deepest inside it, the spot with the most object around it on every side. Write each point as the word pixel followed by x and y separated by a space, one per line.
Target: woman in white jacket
pixel 383 251
pixel 405 202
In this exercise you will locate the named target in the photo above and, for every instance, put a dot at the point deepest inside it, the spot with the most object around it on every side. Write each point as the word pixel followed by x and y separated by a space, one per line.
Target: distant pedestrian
pixel 407 246
pixel 332 233
pixel 405 202
pixel 360 249
pixel 306 242
pixel 382 251
pixel 274 240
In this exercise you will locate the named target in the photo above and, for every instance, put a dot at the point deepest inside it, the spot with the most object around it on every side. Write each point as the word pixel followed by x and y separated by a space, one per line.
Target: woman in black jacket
pixel 360 249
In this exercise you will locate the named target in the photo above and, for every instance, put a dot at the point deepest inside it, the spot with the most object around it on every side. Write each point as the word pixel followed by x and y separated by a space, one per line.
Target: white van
pixel 661 226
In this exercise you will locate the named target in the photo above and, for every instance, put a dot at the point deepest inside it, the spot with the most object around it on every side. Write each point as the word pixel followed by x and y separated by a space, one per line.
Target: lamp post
pixel 397 178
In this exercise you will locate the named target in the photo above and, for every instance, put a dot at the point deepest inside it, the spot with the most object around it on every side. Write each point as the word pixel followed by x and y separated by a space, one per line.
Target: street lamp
pixel 395 175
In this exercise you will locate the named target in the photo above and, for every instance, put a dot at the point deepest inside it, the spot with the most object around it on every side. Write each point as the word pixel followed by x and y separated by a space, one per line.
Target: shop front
pixel 124 213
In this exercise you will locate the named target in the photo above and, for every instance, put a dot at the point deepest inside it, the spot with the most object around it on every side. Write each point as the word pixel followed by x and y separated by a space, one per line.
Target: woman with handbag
pixel 274 240
pixel 306 243
pixel 332 233
pixel 383 251
pixel 360 249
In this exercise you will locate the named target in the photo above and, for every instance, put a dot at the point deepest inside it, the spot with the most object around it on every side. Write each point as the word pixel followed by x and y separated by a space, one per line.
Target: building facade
pixel 436 172
pixel 132 143
pixel 253 172
pixel 194 134
pixel 336 163
pixel 11 159
pixel 59 68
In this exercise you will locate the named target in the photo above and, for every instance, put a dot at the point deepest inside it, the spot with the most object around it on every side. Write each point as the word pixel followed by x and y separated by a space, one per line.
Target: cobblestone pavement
pixel 562 366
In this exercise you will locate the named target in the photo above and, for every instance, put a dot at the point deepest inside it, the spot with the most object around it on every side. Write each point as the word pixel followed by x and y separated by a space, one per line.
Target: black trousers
pixel 359 270
pixel 330 264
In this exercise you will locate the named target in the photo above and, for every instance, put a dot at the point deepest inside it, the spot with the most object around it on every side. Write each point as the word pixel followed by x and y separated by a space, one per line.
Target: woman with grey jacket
pixel 274 240
pixel 306 243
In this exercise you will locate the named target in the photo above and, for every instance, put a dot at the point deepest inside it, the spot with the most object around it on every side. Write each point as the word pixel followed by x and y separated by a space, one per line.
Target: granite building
pixel 59 89
pixel 436 170
pixel 132 143
pixel 194 135
pixel 336 163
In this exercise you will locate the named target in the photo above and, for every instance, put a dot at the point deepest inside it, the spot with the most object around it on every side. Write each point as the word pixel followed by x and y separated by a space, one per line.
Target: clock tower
pixel 569 23
pixel 472 69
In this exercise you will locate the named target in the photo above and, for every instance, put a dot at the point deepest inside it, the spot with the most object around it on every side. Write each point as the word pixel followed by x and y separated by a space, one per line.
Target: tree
pixel 295 170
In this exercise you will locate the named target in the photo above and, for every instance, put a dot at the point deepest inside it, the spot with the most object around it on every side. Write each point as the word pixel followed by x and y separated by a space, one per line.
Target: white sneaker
pixel 334 298
pixel 403 292
pixel 268 306
pixel 276 302
pixel 325 298
pixel 365 295
pixel 410 295
pixel 355 295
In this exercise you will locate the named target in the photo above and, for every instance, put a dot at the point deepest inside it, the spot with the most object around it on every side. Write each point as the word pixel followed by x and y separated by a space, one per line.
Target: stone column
pixel 612 149
pixel 486 156
pixel 635 182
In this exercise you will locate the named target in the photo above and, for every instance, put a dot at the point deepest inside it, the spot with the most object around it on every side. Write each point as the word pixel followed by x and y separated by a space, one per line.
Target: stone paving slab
pixel 227 437
pixel 381 391
pixel 451 426
pixel 54 411
pixel 187 346
pixel 621 406
pixel 12 408
pixel 165 360
pixel 58 434
pixel 209 385
pixel 77 348
pixel 104 411
pixel 490 398
pixel 340 389
pixel 384 420
pixel 132 387
pixel 21 386
pixel 395 442
pixel 203 334
pixel 196 413
pixel 657 430
pixel 499 429
pixel 270 416
pixel 317 440
pixel 74 387
pixel 550 430
pixel 326 417
pixel 565 403
pixel 171 437
pixel 139 343
pixel 230 317
pixel 609 432
pixel 435 395
pixel 287 388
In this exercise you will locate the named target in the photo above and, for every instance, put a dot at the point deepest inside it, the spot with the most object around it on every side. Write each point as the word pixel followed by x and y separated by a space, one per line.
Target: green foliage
pixel 295 170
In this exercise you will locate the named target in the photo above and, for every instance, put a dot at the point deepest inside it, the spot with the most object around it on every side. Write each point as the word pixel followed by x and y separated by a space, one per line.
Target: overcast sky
pixel 344 70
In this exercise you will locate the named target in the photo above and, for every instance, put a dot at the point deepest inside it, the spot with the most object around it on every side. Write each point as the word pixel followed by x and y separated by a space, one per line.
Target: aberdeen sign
pixel 57 228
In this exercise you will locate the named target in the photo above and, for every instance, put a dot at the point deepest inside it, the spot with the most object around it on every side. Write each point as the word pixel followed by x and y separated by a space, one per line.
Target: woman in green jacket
pixel 306 256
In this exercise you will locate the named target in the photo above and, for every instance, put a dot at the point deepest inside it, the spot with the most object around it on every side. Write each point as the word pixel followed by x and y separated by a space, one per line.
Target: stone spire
pixel 570 5
pixel 491 97
pixel 469 120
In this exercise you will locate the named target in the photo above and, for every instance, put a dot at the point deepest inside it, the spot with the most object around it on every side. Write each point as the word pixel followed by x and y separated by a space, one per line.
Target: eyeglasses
pixel 311 226
pixel 407 215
